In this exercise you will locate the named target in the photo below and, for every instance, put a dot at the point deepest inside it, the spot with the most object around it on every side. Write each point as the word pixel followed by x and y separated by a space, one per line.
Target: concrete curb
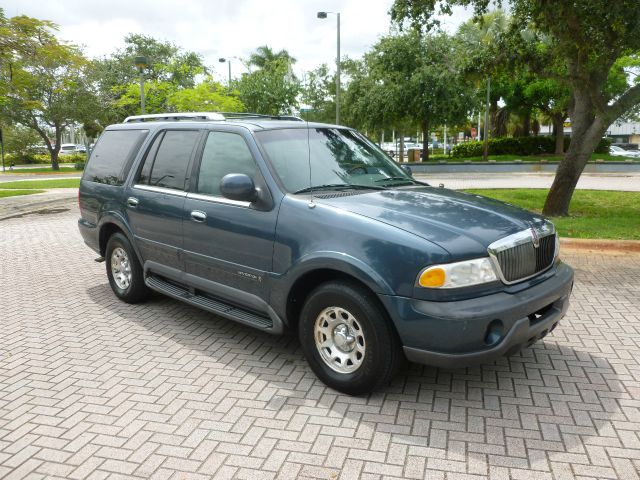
pixel 600 245
pixel 34 207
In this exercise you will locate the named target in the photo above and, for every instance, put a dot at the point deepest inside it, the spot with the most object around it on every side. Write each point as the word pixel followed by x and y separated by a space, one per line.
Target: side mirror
pixel 238 186
pixel 407 169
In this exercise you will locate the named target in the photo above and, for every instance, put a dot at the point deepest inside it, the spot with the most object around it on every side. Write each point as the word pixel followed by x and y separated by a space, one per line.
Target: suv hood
pixel 464 224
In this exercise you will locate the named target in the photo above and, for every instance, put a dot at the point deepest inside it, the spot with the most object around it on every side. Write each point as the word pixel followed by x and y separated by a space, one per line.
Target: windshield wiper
pixel 339 186
pixel 404 179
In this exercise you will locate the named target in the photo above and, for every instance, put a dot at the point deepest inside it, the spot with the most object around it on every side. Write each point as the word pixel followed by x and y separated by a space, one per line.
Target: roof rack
pixel 175 117
pixel 158 117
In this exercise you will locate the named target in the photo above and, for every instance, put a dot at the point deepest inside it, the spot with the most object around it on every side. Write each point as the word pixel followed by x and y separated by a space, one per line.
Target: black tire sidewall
pixel 377 332
pixel 137 289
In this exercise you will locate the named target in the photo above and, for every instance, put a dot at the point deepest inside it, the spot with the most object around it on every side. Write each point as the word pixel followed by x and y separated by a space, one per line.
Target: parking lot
pixel 94 388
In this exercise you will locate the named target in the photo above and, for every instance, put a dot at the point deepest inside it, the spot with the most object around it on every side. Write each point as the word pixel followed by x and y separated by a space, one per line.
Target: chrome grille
pixel 516 257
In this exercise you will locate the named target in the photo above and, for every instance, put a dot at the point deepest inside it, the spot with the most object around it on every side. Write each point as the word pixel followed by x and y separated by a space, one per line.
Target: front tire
pixel 348 339
pixel 124 271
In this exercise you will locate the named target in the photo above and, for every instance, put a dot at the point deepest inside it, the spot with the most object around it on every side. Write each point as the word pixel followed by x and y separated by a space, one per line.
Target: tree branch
pixel 628 99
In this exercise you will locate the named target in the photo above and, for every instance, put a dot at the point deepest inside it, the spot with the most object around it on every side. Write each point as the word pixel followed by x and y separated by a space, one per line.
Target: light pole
pixel 141 63
pixel 337 14
pixel 228 60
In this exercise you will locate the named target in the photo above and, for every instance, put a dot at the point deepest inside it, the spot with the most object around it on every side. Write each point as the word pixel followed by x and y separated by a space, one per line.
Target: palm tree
pixel 264 55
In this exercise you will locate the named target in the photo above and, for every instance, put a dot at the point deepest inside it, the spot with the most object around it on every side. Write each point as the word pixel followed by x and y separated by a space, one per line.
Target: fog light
pixel 494 333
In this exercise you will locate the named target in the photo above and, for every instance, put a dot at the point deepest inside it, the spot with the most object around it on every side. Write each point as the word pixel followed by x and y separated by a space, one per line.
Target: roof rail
pixel 205 116
pixel 174 117
pixel 259 115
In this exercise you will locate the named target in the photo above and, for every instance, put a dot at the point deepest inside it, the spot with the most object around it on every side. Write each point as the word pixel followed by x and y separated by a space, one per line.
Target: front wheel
pixel 124 270
pixel 348 338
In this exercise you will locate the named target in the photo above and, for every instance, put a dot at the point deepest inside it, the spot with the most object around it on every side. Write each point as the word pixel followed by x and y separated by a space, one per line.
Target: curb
pixel 600 244
pixel 35 207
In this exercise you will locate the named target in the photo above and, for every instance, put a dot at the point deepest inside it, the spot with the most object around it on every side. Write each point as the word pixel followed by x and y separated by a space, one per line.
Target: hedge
pixel 519 146
pixel 42 158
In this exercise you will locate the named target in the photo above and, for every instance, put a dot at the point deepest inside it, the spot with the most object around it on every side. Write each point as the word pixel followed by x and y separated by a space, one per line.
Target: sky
pixel 223 28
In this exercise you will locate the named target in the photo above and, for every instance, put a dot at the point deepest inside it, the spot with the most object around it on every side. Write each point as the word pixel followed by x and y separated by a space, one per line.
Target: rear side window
pixel 223 153
pixel 111 155
pixel 168 158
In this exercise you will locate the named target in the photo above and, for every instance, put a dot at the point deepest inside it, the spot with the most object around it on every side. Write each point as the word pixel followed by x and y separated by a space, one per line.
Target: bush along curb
pixel 524 146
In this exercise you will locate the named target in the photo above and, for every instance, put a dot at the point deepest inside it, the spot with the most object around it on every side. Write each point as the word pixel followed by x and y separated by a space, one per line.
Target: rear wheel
pixel 124 270
pixel 348 338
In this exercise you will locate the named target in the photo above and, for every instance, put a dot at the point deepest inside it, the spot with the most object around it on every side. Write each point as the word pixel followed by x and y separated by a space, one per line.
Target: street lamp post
pixel 141 63
pixel 337 14
pixel 228 60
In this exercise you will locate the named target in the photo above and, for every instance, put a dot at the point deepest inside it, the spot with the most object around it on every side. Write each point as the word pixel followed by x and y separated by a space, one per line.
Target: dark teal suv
pixel 279 224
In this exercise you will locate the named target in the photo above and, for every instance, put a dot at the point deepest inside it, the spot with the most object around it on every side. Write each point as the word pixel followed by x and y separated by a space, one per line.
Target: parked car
pixel 68 149
pixel 283 225
pixel 621 152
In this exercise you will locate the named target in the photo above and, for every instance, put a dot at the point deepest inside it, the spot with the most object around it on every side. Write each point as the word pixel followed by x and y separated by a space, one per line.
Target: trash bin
pixel 413 155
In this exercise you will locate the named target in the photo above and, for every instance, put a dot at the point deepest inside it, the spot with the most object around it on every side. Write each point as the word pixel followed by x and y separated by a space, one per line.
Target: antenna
pixel 311 204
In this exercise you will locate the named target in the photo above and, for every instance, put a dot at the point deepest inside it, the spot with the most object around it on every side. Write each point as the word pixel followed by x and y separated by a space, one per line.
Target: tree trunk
pixel 586 131
pixel 401 152
pixel 558 131
pixel 526 124
pixel 54 151
pixel 425 139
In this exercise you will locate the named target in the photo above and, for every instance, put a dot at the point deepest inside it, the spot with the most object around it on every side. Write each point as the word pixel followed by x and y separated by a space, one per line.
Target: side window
pixel 145 172
pixel 109 158
pixel 167 161
pixel 224 153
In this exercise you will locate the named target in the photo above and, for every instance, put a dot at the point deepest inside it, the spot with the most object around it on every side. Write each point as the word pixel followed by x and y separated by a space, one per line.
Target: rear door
pixel 227 243
pixel 155 201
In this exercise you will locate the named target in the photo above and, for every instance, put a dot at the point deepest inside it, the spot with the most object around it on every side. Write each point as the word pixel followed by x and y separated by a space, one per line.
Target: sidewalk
pixel 629 182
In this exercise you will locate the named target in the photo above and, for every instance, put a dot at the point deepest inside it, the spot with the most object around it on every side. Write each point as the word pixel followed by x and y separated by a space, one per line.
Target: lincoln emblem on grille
pixel 535 237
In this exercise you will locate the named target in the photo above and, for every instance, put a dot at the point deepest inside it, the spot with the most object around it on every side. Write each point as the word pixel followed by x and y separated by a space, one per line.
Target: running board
pixel 214 306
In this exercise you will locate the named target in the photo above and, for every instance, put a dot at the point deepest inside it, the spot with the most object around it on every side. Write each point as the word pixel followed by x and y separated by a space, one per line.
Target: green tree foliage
pixel 318 93
pixel 208 95
pixel 591 40
pixel 271 88
pixel 409 79
pixel 169 68
pixel 163 96
pixel 44 81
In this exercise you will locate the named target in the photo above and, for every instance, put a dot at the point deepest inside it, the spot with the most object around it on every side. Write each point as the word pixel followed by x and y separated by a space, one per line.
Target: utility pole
pixel 485 154
pixel 337 14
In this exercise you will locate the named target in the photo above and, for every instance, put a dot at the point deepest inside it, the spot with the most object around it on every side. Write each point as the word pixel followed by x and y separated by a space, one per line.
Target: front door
pixel 155 201
pixel 227 243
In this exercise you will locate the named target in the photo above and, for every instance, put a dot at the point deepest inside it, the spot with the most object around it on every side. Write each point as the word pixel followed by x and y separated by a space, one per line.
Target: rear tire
pixel 124 271
pixel 348 338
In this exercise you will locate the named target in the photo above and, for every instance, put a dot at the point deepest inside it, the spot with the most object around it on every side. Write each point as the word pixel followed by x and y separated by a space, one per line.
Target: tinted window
pixel 145 172
pixel 224 153
pixel 169 164
pixel 108 160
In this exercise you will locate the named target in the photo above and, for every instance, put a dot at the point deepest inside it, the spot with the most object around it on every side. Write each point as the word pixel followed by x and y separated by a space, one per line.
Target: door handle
pixel 132 202
pixel 198 216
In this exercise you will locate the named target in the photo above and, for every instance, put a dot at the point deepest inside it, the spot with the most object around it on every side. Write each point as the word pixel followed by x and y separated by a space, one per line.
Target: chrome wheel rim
pixel 339 339
pixel 121 268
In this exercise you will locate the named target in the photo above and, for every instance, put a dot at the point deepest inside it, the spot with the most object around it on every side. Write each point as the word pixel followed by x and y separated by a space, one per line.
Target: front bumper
pixel 457 334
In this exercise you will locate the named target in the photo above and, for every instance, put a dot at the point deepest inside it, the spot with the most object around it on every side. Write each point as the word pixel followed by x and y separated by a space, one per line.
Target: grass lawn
pixel 55 183
pixel 593 213
pixel 24 171
pixel 13 193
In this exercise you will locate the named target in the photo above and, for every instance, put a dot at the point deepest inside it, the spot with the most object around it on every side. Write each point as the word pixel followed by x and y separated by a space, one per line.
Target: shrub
pixel 42 158
pixel 79 165
pixel 519 146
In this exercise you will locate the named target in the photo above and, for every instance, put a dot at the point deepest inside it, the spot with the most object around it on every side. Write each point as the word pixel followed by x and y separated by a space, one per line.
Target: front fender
pixel 324 260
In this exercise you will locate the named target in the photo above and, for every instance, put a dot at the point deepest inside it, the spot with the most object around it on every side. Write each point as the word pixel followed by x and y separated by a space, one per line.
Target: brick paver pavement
pixel 94 388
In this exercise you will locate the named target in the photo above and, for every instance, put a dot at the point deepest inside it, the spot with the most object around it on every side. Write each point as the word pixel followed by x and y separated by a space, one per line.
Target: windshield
pixel 337 157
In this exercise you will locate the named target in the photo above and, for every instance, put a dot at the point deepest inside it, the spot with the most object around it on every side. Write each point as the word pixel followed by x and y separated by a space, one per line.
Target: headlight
pixel 459 274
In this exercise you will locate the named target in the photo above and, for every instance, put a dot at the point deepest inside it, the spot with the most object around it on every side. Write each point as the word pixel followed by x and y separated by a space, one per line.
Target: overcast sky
pixel 222 28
